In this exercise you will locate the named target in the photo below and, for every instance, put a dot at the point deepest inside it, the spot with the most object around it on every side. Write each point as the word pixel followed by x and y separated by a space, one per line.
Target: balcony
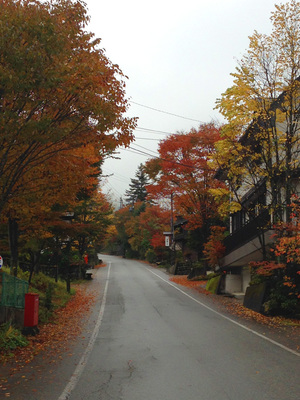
pixel 248 231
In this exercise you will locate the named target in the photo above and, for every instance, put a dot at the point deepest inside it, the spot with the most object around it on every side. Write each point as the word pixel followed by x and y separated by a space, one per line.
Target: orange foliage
pixel 266 268
pixel 287 249
pixel 63 101
pixel 184 170
pixel 214 249
pixel 155 220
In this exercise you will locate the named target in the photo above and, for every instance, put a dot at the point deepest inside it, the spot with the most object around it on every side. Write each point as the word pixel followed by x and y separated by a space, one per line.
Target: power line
pixel 142 147
pixel 166 112
pixel 140 152
pixel 113 189
pixel 156 131
pixel 143 153
pixel 116 178
pixel 144 138
pixel 115 174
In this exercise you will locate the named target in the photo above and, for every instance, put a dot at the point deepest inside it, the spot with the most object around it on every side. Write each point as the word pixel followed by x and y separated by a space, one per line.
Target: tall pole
pixel 172 220
pixel 172 228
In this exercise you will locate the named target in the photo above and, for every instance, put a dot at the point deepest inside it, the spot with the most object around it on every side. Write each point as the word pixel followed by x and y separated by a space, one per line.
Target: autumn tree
pixel 137 188
pixel 58 90
pixel 145 229
pixel 123 218
pixel 282 274
pixel 119 239
pixel 60 97
pixel 138 231
pixel 92 216
pixel 214 248
pixel 63 234
pixel 65 176
pixel 183 173
pixel 260 141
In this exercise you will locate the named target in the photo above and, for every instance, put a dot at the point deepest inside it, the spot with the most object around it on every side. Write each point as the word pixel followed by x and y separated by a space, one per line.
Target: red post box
pixel 31 312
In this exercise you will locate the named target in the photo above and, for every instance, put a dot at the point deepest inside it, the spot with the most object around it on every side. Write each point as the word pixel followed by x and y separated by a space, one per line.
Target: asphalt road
pixel 149 339
pixel 156 342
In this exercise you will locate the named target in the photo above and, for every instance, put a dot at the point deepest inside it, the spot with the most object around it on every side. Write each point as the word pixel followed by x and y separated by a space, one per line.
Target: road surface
pixel 150 339
pixel 157 343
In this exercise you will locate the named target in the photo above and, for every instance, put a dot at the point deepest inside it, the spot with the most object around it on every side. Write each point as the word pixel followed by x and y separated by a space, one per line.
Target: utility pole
pixel 172 219
pixel 172 228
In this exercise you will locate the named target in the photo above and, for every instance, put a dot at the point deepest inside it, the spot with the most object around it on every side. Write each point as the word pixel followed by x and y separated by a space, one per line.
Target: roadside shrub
pixel 131 254
pixel 213 284
pixel 11 338
pixel 199 278
pixel 52 295
pixel 163 264
pixel 281 302
pixel 204 277
pixel 150 256
pixel 48 297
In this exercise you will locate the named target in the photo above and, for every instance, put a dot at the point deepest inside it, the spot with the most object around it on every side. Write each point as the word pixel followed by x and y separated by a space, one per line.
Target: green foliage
pixel 129 253
pixel 257 279
pixel 199 278
pixel 164 264
pixel 179 256
pixel 282 294
pixel 281 302
pixel 138 229
pixel 52 294
pixel 137 188
pixel 48 297
pixel 213 284
pixel 11 338
pixel 150 256
pixel 204 277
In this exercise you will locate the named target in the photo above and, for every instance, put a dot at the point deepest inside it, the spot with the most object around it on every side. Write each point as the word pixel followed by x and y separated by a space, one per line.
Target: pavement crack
pixel 131 368
pixel 102 389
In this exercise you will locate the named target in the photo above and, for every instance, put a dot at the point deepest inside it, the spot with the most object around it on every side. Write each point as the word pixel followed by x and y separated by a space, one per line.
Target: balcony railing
pixel 249 231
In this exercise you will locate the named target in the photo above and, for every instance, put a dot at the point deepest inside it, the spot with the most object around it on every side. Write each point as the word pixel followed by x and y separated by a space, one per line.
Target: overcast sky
pixel 178 56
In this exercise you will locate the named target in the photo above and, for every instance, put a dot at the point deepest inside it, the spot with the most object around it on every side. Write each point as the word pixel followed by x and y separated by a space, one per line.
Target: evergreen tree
pixel 137 188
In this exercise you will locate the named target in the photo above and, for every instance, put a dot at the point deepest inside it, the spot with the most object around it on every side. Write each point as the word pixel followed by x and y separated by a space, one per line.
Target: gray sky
pixel 178 56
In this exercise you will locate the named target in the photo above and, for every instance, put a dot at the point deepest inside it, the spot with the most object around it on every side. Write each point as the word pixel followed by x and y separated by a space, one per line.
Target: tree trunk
pixel 31 266
pixel 35 263
pixel 68 279
pixel 13 244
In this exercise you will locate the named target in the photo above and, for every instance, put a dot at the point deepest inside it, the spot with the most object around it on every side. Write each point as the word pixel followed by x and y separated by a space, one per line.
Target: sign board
pixel 1 262
pixel 167 241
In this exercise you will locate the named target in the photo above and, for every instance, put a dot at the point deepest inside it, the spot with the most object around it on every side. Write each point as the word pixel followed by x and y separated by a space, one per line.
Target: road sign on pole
pixel 1 262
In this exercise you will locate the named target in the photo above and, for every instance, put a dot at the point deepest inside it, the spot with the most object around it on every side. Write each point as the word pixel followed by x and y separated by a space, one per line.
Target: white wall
pixel 233 283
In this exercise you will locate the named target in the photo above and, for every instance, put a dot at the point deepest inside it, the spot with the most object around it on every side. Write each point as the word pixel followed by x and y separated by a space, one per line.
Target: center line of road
pixel 82 363
pixel 224 316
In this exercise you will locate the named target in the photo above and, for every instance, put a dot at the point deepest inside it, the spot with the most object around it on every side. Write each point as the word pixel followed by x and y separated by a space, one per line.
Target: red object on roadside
pixel 86 258
pixel 31 312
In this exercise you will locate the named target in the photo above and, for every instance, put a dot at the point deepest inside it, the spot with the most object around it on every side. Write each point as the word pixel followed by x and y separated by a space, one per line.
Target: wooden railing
pixel 250 230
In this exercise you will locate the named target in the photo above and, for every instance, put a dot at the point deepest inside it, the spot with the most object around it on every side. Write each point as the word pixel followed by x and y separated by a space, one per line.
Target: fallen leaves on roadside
pixel 100 265
pixel 235 307
pixel 182 280
pixel 57 335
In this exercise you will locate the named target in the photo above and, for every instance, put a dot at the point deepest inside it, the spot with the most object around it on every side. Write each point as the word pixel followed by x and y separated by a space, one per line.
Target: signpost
pixel 1 262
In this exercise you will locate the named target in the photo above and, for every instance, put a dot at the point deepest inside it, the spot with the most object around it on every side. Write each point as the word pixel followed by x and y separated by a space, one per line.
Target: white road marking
pixel 228 319
pixel 82 363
